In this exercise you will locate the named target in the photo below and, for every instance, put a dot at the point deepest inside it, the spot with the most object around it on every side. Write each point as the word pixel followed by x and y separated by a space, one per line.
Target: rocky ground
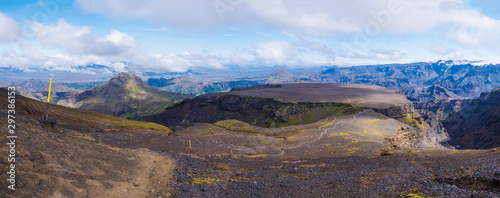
pixel 262 165
pixel 408 173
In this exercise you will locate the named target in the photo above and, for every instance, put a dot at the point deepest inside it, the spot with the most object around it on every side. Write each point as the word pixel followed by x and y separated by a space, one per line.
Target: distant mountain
pixel 31 85
pixel 85 85
pixel 125 95
pixel 433 92
pixel 188 85
pixel 421 81
pixel 37 89
pixel 281 74
pixel 464 78
pixel 476 126
pixel 34 85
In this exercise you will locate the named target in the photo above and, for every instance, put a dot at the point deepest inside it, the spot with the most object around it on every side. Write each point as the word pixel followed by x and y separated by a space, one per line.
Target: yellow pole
pixel 189 144
pixel 48 100
pixel 50 87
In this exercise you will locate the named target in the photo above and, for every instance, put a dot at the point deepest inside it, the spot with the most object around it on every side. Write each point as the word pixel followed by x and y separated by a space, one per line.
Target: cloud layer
pixel 294 32
pixel 81 41
pixel 273 52
pixel 314 18
pixel 9 30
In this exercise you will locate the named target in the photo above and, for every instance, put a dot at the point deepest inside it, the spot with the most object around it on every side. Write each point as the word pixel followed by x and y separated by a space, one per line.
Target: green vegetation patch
pixel 305 113
pixel 124 124
pixel 235 125
pixel 411 120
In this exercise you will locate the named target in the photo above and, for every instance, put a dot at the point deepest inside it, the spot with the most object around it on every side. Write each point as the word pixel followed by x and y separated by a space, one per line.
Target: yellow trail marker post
pixel 190 145
pixel 50 87
pixel 48 100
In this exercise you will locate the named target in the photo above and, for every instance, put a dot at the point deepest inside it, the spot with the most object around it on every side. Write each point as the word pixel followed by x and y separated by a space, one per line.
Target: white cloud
pixel 9 29
pixel 377 55
pixel 318 47
pixel 387 55
pixel 186 14
pixel 273 52
pixel 441 50
pixel 29 58
pixel 314 18
pixel 80 40
pixel 334 21
pixel 180 62
pixel 459 54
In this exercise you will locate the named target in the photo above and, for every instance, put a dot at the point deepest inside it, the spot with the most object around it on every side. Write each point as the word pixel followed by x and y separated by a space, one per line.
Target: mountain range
pixel 420 81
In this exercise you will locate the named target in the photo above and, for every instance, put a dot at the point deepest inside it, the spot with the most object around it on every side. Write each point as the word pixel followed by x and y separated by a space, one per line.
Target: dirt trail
pixel 149 179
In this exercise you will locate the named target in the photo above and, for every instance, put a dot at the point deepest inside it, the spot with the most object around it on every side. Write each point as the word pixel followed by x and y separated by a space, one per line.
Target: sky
pixel 176 36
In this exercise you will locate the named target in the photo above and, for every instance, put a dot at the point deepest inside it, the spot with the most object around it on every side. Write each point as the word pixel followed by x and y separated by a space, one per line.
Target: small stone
pixel 136 184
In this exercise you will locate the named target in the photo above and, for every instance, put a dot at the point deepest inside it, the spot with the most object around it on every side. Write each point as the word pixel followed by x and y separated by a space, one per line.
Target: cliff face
pixel 442 108
pixel 281 105
pixel 476 126
pixel 263 112
pixel 425 129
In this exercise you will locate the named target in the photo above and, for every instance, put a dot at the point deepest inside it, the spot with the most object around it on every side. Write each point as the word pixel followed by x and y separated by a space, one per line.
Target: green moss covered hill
pixel 125 95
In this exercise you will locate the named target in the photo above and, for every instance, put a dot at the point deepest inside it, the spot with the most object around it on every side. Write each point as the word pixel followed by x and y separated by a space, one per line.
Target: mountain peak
pixel 281 72
pixel 127 75
pixel 125 78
